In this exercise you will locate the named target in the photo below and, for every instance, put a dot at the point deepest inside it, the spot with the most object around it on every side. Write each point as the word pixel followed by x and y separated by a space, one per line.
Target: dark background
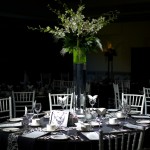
pixel 23 50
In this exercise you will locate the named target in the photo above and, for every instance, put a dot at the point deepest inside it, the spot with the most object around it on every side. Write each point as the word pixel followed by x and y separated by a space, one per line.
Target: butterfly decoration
pixel 62 100
pixel 92 98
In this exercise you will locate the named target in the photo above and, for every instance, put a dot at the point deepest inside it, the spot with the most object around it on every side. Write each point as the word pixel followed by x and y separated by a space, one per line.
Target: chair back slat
pixel 146 91
pixel 117 95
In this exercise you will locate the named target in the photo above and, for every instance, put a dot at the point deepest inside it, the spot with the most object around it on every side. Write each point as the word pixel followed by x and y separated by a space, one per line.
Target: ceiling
pixel 130 10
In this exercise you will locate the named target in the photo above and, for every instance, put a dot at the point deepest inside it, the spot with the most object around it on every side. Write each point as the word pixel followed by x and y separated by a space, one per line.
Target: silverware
pixel 80 138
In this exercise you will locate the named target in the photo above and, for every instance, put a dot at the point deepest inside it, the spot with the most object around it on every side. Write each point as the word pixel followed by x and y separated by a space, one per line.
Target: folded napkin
pixel 91 135
pixel 92 98
pixel 101 111
pixel 133 126
pixel 17 124
pixel 35 134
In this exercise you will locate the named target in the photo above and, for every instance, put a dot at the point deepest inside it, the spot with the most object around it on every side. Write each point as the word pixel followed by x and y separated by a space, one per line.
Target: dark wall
pixel 27 50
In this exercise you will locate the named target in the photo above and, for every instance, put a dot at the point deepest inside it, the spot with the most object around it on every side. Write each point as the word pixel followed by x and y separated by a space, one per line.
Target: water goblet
pixel 27 119
pixel 126 110
pixel 38 107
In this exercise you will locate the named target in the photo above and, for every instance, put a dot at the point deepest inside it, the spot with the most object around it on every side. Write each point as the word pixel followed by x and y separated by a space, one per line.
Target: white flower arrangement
pixel 77 31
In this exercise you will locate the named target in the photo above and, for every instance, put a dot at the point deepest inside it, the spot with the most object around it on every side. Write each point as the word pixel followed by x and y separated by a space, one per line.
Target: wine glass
pixel 37 109
pixel 126 110
pixel 101 112
pixel 27 119
pixel 92 103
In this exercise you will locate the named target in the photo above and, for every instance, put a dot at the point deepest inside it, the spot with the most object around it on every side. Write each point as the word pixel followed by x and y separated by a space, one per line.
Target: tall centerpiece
pixel 80 36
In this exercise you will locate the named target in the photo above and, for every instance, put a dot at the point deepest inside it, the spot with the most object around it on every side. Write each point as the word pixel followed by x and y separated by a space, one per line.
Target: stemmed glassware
pixel 37 109
pixel 27 119
pixel 126 110
pixel 101 112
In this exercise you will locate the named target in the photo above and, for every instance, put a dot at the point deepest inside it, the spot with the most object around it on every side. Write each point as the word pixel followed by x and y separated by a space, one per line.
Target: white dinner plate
pixel 134 113
pixel 80 116
pixel 141 116
pixel 45 129
pixel 15 119
pixel 91 135
pixel 112 110
pixel 116 123
pixel 143 121
pixel 34 125
pixel 59 137
pixel 94 124
pixel 10 129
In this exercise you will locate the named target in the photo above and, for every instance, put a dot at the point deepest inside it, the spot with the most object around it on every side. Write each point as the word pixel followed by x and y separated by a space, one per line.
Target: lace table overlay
pixel 13 137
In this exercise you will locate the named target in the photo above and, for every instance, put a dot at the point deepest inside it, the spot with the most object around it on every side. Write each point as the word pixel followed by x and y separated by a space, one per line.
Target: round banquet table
pixel 15 140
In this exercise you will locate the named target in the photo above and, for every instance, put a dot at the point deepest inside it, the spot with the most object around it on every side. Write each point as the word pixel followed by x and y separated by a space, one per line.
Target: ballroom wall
pixel 124 37
pixel 35 52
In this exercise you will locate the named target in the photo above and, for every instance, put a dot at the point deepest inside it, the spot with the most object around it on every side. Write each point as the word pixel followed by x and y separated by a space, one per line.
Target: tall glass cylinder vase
pixel 79 76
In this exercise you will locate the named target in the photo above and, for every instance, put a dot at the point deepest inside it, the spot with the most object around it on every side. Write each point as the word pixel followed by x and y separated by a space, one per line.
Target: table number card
pixel 59 116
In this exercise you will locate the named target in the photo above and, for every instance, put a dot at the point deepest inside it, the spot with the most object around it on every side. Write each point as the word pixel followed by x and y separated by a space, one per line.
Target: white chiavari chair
pixel 136 102
pixel 22 99
pixel 121 140
pixel 5 108
pixel 54 98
